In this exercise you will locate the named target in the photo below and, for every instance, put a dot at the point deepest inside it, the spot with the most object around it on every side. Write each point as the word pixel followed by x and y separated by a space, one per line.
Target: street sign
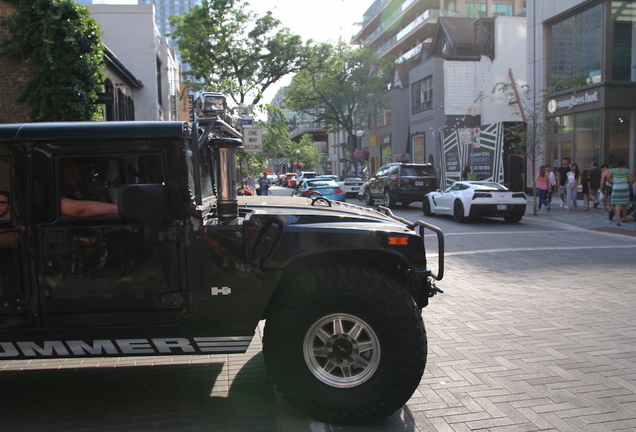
pixel 476 133
pixel 253 140
pixel 464 135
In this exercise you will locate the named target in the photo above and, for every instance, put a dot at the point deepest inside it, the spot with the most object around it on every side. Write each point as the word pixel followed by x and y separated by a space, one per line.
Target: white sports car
pixel 351 185
pixel 467 199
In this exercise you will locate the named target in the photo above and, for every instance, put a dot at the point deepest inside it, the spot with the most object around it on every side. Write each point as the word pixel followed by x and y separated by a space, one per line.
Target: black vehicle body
pixel 185 267
pixel 401 182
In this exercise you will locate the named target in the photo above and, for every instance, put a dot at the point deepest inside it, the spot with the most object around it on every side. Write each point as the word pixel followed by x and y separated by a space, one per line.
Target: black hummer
pixel 185 268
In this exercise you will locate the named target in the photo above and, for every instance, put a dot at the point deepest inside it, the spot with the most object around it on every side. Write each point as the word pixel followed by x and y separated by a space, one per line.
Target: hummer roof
pixel 85 130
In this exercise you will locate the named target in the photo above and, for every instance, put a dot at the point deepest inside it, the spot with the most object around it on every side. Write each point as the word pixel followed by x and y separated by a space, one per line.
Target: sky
pixel 320 20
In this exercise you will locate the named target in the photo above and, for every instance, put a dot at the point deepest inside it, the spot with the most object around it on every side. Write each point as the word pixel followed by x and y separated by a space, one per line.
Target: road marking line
pixel 541 248
pixel 494 232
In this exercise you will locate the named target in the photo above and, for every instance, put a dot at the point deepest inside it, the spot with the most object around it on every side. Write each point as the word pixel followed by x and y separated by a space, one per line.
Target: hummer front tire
pixel 345 344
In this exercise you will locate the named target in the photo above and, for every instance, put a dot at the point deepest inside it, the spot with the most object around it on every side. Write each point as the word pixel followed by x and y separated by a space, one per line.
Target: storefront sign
pixel 572 101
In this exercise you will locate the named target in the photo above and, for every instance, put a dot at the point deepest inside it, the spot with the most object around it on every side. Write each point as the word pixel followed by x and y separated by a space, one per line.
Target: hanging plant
pixel 361 155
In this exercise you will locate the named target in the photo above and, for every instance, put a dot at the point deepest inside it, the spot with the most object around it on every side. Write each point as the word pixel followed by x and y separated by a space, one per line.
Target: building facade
pixel 129 31
pixel 449 54
pixel 398 29
pixel 165 8
pixel 582 62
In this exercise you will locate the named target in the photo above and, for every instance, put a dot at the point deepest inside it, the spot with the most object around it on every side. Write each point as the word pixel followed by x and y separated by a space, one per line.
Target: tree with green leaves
pixel 338 85
pixel 233 51
pixel 530 136
pixel 276 142
pixel 310 155
pixel 64 44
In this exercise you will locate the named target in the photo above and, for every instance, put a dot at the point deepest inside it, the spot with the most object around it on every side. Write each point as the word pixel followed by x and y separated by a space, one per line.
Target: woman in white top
pixel 571 188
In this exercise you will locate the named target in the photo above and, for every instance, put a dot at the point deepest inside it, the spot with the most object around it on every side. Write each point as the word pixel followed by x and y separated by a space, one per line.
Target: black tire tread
pixel 368 285
pixel 368 200
pixel 426 207
pixel 458 216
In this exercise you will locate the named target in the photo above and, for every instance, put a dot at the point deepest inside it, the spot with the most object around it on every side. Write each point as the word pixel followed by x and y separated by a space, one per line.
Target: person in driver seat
pixel 73 200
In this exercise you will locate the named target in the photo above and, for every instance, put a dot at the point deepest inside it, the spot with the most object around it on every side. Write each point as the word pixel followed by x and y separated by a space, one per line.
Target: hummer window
pixel 205 173
pixel 96 179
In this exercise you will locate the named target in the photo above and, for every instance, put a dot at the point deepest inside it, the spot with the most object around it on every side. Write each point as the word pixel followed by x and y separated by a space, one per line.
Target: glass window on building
pixel 475 10
pixel 575 50
pixel 623 41
pixel 383 113
pixel 587 139
pixel 502 9
pixel 561 140
pixel 622 125
pixel 578 137
pixel 422 97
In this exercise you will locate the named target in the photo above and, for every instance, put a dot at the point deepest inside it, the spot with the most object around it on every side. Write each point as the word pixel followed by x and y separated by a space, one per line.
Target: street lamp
pixel 359 134
pixel 298 162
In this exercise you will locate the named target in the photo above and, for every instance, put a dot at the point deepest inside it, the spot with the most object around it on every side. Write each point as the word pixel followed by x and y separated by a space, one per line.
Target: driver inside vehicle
pixel 78 198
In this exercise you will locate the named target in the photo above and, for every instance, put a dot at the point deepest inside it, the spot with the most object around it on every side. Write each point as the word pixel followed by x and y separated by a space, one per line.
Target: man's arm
pixel 78 208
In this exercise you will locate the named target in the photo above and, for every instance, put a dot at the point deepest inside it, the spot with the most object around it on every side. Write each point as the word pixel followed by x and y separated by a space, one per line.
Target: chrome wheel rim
pixel 341 350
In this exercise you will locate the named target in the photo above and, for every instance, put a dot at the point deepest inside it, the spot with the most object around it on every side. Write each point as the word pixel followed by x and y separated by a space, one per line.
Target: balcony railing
pixel 420 20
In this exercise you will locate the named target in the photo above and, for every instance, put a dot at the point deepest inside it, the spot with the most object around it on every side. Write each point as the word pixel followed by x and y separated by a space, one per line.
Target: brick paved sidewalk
pixel 594 219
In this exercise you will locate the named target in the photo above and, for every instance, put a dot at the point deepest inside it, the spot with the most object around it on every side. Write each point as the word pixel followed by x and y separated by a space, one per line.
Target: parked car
pixel 319 186
pixel 470 199
pixel 363 188
pixel 273 177
pixel 308 174
pixel 401 182
pixel 290 180
pixel 351 185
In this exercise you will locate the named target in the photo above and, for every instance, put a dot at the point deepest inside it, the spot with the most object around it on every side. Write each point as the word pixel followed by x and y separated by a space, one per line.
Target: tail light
pixel 399 178
pixel 339 191
pixel 482 195
pixel 307 192
pixel 519 195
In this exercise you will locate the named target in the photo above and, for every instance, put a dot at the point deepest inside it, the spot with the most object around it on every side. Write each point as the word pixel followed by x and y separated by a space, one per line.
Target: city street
pixel 535 331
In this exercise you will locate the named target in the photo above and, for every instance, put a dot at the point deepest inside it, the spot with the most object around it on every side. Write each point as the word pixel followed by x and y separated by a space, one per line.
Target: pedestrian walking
pixel 585 188
pixel 553 185
pixel 465 171
pixel 562 179
pixel 264 182
pixel 572 188
pixel 622 178
pixel 595 182
pixel 542 182
pixel 606 185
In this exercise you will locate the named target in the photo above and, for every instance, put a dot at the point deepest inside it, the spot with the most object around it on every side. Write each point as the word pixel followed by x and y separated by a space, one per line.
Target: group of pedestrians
pixel 614 185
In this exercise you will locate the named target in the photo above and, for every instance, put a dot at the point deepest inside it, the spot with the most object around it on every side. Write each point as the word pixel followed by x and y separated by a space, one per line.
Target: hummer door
pixel 101 270
pixel 16 304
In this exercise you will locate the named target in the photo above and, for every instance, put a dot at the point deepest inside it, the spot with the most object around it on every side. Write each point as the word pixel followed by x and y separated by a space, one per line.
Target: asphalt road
pixel 535 331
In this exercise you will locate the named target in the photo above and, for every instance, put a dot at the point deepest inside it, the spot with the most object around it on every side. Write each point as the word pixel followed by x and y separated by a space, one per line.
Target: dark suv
pixel 128 239
pixel 401 182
